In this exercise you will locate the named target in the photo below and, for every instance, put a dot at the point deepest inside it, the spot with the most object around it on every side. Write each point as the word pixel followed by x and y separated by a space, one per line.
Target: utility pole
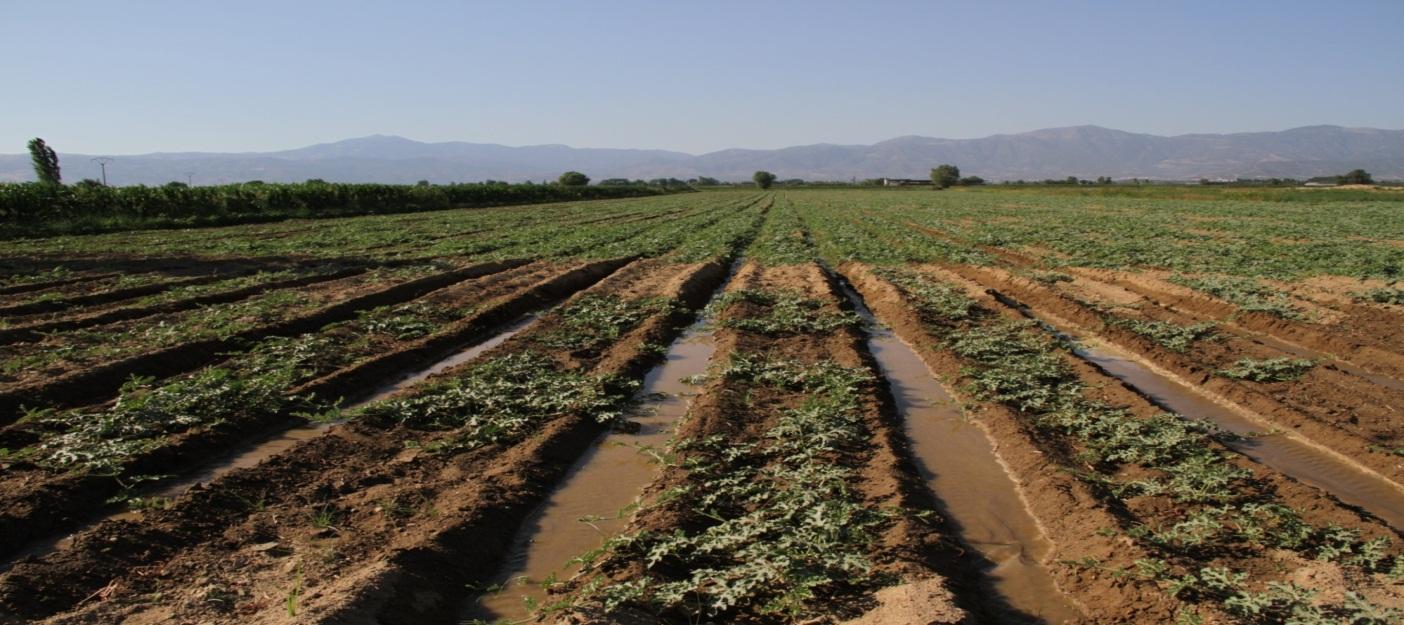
pixel 102 162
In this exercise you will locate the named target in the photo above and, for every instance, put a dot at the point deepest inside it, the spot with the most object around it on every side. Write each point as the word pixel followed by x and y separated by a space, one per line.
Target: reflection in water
pixel 958 462
pixel 1292 457
pixel 586 509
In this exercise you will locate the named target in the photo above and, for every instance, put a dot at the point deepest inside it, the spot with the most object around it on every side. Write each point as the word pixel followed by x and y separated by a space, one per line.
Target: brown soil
pixel 1328 406
pixel 1316 507
pixel 32 328
pixel 1368 337
pixel 36 502
pixel 233 551
pixel 1070 514
pixel 907 550
pixel 338 300
pixel 54 284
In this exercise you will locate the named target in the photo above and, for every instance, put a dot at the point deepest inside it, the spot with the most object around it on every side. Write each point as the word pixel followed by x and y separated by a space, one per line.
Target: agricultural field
pixel 845 405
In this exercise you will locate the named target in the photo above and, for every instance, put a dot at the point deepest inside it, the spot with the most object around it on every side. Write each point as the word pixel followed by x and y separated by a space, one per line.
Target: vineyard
pixel 740 406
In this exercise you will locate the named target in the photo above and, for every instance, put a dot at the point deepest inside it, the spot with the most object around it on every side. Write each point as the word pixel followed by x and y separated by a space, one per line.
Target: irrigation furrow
pixel 1064 511
pixel 1288 452
pixel 389 500
pixel 38 508
pixel 1360 351
pixel 731 441
pixel 40 286
pixel 981 501
pixel 1330 458
pixel 35 331
pixel 589 504
pixel 100 382
pixel 1104 433
pixel 468 552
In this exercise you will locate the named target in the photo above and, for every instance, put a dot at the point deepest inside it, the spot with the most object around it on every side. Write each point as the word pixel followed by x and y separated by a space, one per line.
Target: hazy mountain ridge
pixel 1084 151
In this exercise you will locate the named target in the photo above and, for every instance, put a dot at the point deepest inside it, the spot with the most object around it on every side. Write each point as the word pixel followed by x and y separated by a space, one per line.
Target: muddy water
pixel 958 462
pixel 1290 456
pixel 590 504
pixel 255 452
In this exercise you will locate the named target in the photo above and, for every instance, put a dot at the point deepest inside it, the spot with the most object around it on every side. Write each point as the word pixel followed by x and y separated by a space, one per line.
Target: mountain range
pixel 1083 151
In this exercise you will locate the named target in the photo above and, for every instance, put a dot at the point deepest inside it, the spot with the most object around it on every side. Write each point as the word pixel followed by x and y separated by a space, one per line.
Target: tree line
pixel 50 207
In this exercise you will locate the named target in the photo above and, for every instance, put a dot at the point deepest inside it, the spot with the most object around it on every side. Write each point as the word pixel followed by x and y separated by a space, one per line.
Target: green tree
pixel 573 179
pixel 763 179
pixel 943 176
pixel 971 181
pixel 1358 176
pixel 46 165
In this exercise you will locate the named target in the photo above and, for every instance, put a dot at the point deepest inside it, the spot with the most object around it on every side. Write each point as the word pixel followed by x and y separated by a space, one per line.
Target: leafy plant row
pixel 249 385
pixel 1222 513
pixel 773 525
pixel 503 397
pixel 85 346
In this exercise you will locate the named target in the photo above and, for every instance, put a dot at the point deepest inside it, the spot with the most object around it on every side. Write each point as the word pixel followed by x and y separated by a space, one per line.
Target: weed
pixel 294 597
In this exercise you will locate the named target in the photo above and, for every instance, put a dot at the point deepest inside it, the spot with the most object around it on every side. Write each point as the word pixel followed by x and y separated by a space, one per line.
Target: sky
pixel 193 75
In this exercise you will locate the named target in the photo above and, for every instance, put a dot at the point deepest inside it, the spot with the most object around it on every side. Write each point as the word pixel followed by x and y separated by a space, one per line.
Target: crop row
pixel 1206 519
pixel 764 511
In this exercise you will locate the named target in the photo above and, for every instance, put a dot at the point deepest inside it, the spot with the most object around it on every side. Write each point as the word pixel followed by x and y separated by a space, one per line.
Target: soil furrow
pixel 1150 516
pixel 70 303
pixel 1324 410
pixel 101 381
pixel 40 286
pixel 35 331
pixel 393 503
pixel 1347 340
pixel 39 506
pixel 1069 514
pixel 737 415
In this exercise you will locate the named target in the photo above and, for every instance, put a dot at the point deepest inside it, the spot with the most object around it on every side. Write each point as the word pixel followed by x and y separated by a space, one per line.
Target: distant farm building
pixel 904 182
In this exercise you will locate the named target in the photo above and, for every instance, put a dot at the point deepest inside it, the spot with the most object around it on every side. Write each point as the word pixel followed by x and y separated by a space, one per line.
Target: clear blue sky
pixel 131 77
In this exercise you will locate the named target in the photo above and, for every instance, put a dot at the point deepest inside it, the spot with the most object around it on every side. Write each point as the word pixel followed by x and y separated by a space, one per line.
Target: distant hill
pixel 1083 151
